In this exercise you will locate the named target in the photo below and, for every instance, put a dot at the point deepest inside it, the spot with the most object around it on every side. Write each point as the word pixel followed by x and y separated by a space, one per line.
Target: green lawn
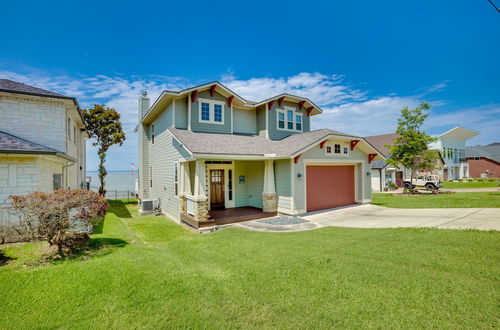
pixel 465 184
pixel 465 199
pixel 147 272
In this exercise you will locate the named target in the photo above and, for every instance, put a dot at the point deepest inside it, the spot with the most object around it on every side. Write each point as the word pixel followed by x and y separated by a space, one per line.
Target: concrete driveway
pixel 372 216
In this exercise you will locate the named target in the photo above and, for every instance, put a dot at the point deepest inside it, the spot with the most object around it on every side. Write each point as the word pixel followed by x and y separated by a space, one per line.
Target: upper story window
pixel 336 149
pixel 69 129
pixel 211 112
pixel 289 120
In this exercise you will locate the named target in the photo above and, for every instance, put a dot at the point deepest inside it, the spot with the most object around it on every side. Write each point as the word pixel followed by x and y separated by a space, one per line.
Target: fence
pixel 127 195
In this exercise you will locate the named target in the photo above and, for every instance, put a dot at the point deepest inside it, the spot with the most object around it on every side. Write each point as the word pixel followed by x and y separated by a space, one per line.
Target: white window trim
pixel 332 145
pixel 211 111
pixel 176 178
pixel 284 111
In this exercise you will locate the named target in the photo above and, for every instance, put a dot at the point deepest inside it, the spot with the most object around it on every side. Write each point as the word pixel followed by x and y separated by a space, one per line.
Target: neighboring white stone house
pixel 42 142
pixel 206 152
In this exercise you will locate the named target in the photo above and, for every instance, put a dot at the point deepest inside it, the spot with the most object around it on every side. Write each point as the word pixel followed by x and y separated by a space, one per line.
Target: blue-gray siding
pixel 197 126
pixel 181 114
pixel 245 121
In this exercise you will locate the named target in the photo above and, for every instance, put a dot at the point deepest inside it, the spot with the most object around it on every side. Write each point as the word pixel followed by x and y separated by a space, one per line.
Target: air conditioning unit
pixel 148 205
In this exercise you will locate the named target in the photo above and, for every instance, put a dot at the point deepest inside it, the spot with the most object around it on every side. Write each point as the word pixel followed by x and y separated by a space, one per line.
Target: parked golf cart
pixel 429 182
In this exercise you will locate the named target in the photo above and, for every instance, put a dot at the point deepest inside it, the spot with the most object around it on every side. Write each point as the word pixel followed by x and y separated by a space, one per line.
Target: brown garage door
pixel 329 186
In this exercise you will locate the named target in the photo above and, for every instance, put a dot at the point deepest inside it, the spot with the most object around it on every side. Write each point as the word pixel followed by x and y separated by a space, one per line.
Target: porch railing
pixel 190 204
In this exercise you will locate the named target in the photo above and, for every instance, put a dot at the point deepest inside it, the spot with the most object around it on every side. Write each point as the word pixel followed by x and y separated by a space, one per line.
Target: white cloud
pixel 321 89
pixel 346 108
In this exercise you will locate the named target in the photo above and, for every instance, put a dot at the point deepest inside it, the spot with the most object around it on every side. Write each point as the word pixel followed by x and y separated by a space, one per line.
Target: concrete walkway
pixel 372 216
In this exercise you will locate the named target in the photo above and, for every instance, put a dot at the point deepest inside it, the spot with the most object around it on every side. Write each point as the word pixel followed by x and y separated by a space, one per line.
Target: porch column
pixel 185 179
pixel 269 198
pixel 200 196
pixel 184 186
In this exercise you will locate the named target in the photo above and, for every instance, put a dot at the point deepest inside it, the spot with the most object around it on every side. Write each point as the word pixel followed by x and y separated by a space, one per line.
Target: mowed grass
pixel 462 199
pixel 466 184
pixel 152 273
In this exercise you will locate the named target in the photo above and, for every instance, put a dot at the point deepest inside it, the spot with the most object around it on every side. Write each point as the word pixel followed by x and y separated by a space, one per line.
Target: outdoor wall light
pixel 368 173
pixel 299 175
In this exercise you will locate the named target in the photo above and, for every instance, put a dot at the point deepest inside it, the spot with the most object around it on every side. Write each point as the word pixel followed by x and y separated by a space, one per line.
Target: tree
pixel 103 124
pixel 411 149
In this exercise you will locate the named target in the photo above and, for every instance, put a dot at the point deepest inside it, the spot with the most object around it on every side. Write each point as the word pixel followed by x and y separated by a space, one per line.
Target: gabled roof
pixel 491 151
pixel 11 144
pixel 10 86
pixel 167 95
pixel 252 145
pixel 379 142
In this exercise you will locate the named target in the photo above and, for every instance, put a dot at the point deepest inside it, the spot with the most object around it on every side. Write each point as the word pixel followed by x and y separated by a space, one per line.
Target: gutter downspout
pixel 65 172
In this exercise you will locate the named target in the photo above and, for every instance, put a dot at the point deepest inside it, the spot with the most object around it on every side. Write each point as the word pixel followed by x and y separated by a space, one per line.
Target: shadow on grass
pixel 4 259
pixel 97 247
pixel 118 208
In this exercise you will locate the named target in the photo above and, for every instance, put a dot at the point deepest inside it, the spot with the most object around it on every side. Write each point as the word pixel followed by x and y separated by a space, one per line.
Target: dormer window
pixel 211 112
pixel 336 149
pixel 289 120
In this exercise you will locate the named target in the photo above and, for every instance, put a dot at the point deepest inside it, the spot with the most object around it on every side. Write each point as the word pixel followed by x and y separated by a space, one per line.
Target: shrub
pixel 392 185
pixel 492 179
pixel 470 180
pixel 460 180
pixel 55 217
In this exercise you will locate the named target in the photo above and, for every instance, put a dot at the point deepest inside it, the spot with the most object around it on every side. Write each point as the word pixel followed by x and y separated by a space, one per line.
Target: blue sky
pixel 360 60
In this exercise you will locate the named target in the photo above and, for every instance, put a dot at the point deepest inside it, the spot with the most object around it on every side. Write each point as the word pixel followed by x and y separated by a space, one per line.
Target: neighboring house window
pixel 211 111
pixel 289 120
pixel 56 181
pixel 153 133
pixel 151 177
pixel 328 149
pixel 69 129
pixel 176 178
pixel 346 150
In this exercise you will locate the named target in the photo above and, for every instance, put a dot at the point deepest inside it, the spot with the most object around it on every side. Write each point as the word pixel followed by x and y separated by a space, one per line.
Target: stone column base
pixel 200 210
pixel 183 204
pixel 269 202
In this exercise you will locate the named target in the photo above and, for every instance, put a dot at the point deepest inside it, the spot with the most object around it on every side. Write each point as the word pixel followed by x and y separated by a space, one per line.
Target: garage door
pixel 329 186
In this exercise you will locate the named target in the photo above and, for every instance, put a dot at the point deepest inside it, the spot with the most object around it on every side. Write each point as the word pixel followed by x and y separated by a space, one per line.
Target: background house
pixel 484 161
pixel 205 152
pixel 451 164
pixel 42 142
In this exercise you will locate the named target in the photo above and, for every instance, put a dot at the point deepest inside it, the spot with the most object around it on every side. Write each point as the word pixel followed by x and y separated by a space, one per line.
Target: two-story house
pixel 451 144
pixel 451 163
pixel 208 156
pixel 42 141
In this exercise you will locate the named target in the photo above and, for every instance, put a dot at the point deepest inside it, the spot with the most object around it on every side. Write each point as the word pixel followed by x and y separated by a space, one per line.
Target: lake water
pixel 120 181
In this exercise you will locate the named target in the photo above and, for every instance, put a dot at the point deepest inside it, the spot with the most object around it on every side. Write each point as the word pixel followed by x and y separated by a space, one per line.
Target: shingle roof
pixel 379 142
pixel 491 151
pixel 252 145
pixel 7 85
pixel 9 142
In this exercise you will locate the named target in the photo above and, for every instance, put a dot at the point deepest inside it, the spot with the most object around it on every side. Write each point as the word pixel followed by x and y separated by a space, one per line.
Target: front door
pixel 217 189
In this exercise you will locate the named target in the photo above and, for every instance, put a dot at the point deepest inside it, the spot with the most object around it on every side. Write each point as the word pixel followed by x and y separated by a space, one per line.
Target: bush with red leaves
pixel 54 217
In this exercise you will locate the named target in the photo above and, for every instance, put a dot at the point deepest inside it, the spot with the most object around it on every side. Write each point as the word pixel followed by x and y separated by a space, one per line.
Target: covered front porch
pixel 218 192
